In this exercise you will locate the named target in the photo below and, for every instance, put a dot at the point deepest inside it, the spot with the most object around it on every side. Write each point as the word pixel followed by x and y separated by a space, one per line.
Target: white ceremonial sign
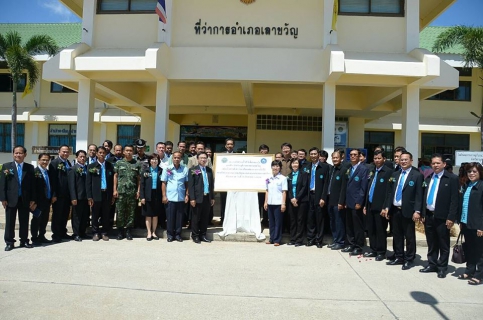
pixel 241 171
pixel 468 156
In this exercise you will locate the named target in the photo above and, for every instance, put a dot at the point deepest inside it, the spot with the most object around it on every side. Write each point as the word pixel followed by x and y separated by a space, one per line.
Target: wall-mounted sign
pixel 340 135
pixel 62 129
pixel 47 149
pixel 468 156
pixel 238 29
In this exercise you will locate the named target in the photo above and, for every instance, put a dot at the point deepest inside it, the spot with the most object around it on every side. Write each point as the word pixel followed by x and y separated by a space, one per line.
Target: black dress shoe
pixel 298 244
pixel 78 239
pixel 291 243
pixel 428 269
pixel 66 237
pixel 170 240
pixel 330 245
pixel 56 239
pixel 9 247
pixel 356 252
pixel 441 274
pixel 370 255
pixel 348 249
pixel 205 239
pixel 337 247
pixel 44 240
pixel 391 257
pixel 319 245
pixel 407 265
pixel 196 240
pixel 309 244
pixel 26 245
pixel 179 239
pixel 395 262
pixel 380 257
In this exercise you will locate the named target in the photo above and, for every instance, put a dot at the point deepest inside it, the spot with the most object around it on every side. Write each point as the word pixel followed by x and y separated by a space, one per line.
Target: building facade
pixel 265 72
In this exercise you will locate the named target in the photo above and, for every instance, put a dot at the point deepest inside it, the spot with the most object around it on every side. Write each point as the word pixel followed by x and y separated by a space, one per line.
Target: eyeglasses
pixel 472 171
pixel 354 155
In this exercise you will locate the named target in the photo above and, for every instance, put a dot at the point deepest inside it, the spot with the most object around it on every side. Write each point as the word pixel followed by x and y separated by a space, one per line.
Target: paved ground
pixel 234 280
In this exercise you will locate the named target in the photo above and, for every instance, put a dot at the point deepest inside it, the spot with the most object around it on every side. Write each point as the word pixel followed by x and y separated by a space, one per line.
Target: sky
pixel 463 12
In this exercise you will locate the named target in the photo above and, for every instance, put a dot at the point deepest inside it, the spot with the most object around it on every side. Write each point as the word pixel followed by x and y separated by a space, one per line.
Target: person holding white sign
pixel 275 197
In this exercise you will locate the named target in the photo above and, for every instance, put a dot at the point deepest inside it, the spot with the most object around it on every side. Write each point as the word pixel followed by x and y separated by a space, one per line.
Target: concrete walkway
pixel 222 280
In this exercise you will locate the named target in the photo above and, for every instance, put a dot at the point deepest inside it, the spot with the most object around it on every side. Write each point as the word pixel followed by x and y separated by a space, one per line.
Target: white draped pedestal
pixel 242 214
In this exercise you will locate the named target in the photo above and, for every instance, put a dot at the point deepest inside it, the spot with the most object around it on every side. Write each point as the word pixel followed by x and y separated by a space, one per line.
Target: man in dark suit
pixel 357 179
pixel 319 173
pixel 405 198
pixel 17 193
pixel 99 189
pixel 78 195
pixel 92 151
pixel 440 207
pixel 375 207
pixel 335 200
pixel 118 154
pixel 43 187
pixel 202 197
pixel 58 169
pixel 229 145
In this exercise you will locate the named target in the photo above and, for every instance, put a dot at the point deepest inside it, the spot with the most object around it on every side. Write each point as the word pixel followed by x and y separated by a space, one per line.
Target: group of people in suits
pixel 363 197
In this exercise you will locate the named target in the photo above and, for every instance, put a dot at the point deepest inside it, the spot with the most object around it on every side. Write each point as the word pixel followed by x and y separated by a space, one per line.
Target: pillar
pixel 412 24
pixel 88 14
pixel 85 114
pixel 162 111
pixel 410 120
pixel 103 133
pixel 328 118
pixel 252 134
pixel 147 130
pixel 356 132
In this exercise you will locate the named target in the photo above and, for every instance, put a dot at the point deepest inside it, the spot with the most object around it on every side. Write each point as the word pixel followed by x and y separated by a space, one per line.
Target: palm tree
pixel 471 39
pixel 19 58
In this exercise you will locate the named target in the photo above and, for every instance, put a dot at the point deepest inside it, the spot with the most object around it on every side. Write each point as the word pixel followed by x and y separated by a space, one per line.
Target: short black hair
pixel 286 144
pixel 202 152
pixel 43 154
pixel 129 146
pixel 355 149
pixel 20 146
pixel 379 152
pixel 263 147
pixel 407 152
pixel 64 146
pixel 276 163
pixel 399 149
pixel 79 152
pixel 229 139
pixel 182 141
pixel 324 154
pixel 160 142
pixel 91 145
pixel 101 148
pixel 303 150
pixel 200 142
pixel 438 155
pixel 169 143
pixel 314 148
pixel 109 143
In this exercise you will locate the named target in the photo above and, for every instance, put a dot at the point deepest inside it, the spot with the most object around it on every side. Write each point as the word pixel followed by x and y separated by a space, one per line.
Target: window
pixel 60 134
pixel 446 144
pixel 463 93
pixel 126 6
pixel 372 7
pixel 6 136
pixel 126 134
pixel 290 123
pixel 57 88
pixel 373 139
pixel 465 72
pixel 6 83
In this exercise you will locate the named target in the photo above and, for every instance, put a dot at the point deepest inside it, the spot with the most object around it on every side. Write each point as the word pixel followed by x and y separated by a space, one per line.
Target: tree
pixel 471 39
pixel 19 57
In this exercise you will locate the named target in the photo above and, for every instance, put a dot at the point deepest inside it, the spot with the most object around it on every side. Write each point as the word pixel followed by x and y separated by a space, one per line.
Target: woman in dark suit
pixel 298 196
pixel 471 222
pixel 151 196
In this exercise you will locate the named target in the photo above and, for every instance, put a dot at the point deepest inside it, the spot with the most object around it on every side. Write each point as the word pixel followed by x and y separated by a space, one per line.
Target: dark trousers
pixel 315 221
pixel 377 231
pixel 263 212
pixel 403 228
pixel 112 214
pixel 275 216
pixel 298 221
pixel 437 236
pixel 174 218
pixel 38 225
pixel 355 227
pixel 222 205
pixel 474 253
pixel 337 225
pixel 80 215
pixel 101 209
pixel 60 216
pixel 23 220
pixel 199 220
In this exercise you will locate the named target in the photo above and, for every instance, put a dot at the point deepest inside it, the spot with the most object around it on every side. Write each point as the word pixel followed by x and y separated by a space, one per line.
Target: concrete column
pixel 88 15
pixel 356 132
pixel 85 114
pixel 34 140
pixel 103 133
pixel 148 128
pixel 412 24
pixel 252 134
pixel 162 111
pixel 410 120
pixel 328 118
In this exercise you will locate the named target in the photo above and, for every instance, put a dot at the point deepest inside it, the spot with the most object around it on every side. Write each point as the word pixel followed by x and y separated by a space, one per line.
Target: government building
pixel 264 71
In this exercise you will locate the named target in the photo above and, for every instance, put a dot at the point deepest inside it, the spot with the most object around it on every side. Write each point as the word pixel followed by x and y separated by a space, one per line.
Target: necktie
pixel 47 183
pixel 433 189
pixel 312 177
pixel 373 186
pixel 103 177
pixel 205 180
pixel 352 171
pixel 66 163
pixel 19 173
pixel 400 186
pixel 92 160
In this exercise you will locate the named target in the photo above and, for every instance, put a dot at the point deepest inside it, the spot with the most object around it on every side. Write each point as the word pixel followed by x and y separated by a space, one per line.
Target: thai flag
pixel 161 11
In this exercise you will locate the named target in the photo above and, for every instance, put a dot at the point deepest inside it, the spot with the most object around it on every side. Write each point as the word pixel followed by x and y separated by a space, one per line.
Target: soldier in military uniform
pixel 143 158
pixel 126 189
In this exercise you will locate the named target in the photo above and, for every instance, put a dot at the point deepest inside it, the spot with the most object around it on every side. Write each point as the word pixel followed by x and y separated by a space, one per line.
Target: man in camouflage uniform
pixel 126 189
